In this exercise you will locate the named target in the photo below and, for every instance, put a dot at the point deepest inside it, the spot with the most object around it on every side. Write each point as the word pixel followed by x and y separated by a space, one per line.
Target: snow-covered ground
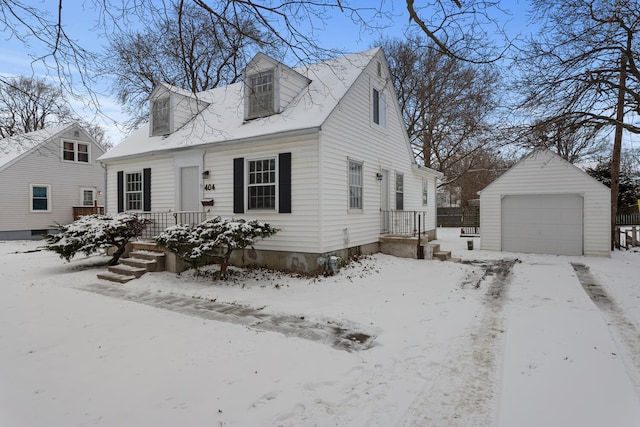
pixel 498 339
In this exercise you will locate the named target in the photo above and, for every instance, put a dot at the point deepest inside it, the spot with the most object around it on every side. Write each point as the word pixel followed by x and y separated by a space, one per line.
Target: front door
pixel 189 189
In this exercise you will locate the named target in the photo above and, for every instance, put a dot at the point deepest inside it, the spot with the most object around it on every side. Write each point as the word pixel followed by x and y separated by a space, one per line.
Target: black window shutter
pixel 238 185
pixel 146 189
pixel 284 182
pixel 120 188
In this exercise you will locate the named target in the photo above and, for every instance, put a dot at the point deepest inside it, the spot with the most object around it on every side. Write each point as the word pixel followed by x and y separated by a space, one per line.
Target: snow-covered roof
pixel 223 120
pixel 16 146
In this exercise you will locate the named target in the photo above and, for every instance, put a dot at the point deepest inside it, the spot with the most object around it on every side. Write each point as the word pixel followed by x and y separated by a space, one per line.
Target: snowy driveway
pixel 500 339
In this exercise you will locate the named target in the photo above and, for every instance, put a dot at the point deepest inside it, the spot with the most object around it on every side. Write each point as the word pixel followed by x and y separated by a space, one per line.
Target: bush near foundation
pixel 214 239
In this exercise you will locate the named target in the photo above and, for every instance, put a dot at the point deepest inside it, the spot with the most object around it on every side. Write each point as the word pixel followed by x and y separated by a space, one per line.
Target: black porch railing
pixel 401 223
pixel 628 219
pixel 160 221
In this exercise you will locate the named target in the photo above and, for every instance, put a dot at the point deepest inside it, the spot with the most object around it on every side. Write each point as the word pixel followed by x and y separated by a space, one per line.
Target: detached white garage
pixel 544 204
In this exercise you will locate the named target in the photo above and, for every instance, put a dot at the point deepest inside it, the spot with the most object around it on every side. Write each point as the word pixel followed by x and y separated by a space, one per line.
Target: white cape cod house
pixel 320 152
pixel 46 177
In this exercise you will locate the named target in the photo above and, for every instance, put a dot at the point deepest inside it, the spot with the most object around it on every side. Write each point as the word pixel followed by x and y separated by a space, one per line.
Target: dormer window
pixel 160 117
pixel 261 95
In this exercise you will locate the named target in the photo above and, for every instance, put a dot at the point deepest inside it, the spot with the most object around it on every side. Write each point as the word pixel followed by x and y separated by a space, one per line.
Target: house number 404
pixel 209 187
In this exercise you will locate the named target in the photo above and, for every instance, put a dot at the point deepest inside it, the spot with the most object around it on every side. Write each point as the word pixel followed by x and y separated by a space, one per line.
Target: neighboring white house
pixel 43 176
pixel 544 204
pixel 320 152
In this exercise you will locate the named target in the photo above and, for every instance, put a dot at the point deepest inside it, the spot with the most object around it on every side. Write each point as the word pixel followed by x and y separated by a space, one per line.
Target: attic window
pixel 261 95
pixel 160 117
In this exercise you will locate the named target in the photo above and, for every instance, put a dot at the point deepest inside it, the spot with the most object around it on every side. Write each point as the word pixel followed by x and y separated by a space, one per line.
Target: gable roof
pixel 223 120
pixel 15 147
pixel 546 155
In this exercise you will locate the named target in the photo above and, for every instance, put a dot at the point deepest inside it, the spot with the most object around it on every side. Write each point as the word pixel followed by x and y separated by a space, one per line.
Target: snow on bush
pixel 214 239
pixel 92 233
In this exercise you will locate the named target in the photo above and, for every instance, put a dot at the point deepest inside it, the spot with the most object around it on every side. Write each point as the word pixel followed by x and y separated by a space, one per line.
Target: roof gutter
pixel 261 138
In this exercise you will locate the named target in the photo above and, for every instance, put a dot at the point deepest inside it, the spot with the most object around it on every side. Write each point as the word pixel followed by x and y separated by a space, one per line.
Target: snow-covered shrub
pixel 214 239
pixel 95 232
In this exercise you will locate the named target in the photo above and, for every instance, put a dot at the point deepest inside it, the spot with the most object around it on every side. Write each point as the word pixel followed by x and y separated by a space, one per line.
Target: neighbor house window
pixel 40 198
pixel 379 108
pixel 87 195
pixel 262 184
pixel 160 116
pixel 75 152
pixel 355 185
pixel 399 191
pixel 261 95
pixel 425 191
pixel 133 191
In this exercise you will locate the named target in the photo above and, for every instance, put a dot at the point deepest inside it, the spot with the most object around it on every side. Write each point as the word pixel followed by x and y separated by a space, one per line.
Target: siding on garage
pixel 545 173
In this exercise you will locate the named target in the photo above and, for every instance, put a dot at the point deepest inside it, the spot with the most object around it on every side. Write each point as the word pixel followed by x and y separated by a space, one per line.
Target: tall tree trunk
pixel 617 146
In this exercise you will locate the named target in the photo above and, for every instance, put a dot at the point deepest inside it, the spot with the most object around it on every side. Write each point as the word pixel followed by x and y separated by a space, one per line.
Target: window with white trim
pixel 399 191
pixel 133 191
pixel 40 198
pixel 87 196
pixel 355 184
pixel 261 95
pixel 425 191
pixel 378 108
pixel 160 117
pixel 73 151
pixel 262 184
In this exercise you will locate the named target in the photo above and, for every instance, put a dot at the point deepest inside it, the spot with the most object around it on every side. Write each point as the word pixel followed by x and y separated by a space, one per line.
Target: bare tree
pixel 447 105
pixel 582 68
pixel 573 142
pixel 189 48
pixel 27 105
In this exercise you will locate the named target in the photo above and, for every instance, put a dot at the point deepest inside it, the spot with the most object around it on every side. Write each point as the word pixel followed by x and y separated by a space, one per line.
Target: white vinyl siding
pixel 299 230
pixel 544 173
pixel 349 132
pixel 163 182
pixel 64 178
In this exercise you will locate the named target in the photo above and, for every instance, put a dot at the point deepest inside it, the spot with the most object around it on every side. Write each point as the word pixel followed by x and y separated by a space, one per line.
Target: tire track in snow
pixel 471 375
pixel 624 329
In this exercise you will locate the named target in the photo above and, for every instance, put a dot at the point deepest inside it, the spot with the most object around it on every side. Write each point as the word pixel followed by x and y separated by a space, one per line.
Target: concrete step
pixel 127 270
pixel 114 277
pixel 442 255
pixel 435 247
pixel 145 246
pixel 147 264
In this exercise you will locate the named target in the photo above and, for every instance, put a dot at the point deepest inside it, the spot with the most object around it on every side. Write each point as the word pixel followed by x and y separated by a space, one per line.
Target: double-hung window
pixel 75 151
pixel 160 117
pixel 261 95
pixel 133 191
pixel 262 184
pixel 355 184
pixel 88 196
pixel 399 191
pixel 40 198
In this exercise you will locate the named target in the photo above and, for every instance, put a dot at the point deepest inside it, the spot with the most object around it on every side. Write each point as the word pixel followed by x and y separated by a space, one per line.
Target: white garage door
pixel 543 224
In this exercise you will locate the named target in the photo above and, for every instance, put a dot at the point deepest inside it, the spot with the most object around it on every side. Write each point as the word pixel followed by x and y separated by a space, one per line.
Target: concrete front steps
pixel 406 247
pixel 143 257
